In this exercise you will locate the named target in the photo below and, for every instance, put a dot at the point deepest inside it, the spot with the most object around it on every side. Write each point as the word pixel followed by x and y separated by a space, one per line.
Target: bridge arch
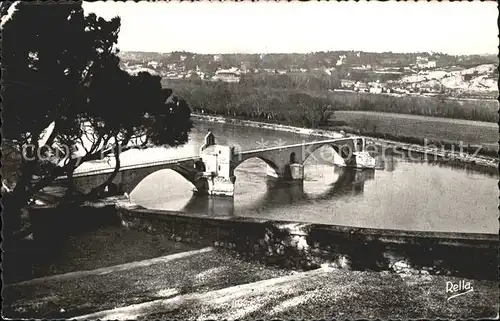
pixel 337 151
pixel 129 184
pixel 269 162
pixel 129 180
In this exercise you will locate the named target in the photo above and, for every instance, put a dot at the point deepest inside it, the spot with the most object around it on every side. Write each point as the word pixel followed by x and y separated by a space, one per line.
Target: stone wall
pixel 51 223
pixel 307 246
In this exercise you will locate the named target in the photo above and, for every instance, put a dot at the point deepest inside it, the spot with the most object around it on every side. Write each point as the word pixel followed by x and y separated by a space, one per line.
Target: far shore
pixel 480 160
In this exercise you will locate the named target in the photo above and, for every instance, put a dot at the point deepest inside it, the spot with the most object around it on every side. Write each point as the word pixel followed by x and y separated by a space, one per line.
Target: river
pixel 405 193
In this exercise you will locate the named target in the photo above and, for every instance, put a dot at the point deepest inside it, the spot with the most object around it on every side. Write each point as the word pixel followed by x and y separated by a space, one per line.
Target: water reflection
pixel 409 192
pixel 390 163
pixel 279 193
pixel 213 206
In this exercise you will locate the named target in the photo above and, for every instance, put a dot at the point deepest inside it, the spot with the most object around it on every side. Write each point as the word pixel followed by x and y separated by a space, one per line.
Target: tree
pixel 195 79
pixel 314 111
pixel 62 88
pixel 335 80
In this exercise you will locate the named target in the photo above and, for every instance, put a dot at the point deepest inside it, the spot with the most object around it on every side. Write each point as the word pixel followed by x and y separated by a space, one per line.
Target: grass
pixel 479 110
pixel 421 127
pixel 195 281
pixel 200 273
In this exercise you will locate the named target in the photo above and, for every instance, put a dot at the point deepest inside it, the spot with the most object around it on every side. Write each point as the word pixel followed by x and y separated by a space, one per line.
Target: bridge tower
pixel 218 176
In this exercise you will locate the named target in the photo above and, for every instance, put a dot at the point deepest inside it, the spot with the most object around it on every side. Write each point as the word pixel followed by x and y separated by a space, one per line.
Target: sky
pixel 246 27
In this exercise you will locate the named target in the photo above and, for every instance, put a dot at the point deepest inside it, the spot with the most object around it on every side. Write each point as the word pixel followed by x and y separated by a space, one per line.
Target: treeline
pixel 272 102
pixel 369 76
pixel 296 60
pixel 312 81
pixel 307 81
pixel 479 110
pixel 292 107
pixel 305 109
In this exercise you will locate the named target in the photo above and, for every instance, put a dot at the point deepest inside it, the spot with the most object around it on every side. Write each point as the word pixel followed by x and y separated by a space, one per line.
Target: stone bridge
pixel 130 176
pixel 213 171
pixel 278 192
pixel 287 161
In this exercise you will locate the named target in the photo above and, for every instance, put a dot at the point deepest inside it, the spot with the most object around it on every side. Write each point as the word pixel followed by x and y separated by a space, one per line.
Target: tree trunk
pixel 111 177
pixel 71 182
pixel 13 202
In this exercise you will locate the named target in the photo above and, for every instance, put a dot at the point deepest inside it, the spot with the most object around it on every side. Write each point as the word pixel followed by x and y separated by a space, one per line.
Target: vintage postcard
pixel 250 160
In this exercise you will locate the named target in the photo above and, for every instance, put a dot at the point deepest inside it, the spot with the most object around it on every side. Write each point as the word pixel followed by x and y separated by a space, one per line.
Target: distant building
pixel 431 64
pixel 361 87
pixel 136 70
pixel 376 88
pixel 173 75
pixel 228 75
pixel 363 67
pixel 423 62
pixel 341 60
pixel 346 83
pixel 154 64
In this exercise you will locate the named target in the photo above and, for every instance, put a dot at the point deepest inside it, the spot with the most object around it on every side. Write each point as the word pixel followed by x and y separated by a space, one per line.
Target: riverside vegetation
pixel 305 105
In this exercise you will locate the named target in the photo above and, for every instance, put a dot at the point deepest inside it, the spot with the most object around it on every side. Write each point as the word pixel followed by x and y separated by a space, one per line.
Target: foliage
pixel 302 81
pixel 295 107
pixel 307 60
pixel 63 91
pixel 480 110
pixel 272 103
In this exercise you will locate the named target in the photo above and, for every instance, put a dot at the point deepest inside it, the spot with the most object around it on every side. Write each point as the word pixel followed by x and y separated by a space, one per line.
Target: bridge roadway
pixel 130 175
pixel 278 158
pixel 159 163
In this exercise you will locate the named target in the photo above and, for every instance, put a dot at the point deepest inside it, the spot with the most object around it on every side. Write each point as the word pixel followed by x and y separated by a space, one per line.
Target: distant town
pixel 430 74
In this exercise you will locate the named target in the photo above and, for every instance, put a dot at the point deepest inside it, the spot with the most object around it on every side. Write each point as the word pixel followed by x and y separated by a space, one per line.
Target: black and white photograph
pixel 250 160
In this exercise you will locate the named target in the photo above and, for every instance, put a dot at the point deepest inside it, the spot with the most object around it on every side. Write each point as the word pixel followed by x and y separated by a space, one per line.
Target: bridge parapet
pixel 287 161
pixel 212 172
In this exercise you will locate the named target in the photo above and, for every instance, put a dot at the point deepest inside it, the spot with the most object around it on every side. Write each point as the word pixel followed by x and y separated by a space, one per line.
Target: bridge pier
pixel 287 172
pixel 215 185
pixel 221 186
pixel 297 171
pixel 212 172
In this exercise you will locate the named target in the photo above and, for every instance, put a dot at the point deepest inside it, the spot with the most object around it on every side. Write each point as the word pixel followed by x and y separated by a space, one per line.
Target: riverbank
pixel 300 245
pixel 129 272
pixel 148 273
pixel 448 155
pixel 414 129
